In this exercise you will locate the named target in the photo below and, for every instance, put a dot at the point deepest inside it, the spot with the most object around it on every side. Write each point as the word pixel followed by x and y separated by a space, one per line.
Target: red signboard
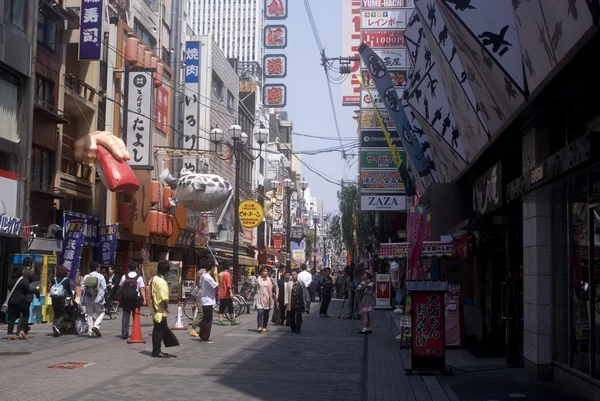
pixel 427 324
pixel 384 38
pixel 277 242
pixel 367 4
pixel 162 108
pixel 276 9
pixel 275 36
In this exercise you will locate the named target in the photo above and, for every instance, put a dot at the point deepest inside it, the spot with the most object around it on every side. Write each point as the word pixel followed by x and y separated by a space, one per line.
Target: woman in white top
pixel 208 286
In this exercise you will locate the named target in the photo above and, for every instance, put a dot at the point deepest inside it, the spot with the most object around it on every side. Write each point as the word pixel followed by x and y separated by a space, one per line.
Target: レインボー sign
pixel 251 213
pixel 428 324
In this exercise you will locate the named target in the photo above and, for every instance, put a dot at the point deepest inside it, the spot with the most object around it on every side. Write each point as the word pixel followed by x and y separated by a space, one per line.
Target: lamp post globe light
pixel 240 140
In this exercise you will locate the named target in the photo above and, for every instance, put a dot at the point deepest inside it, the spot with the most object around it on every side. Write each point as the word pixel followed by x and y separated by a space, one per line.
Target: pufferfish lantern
pixel 198 192
pixel 109 154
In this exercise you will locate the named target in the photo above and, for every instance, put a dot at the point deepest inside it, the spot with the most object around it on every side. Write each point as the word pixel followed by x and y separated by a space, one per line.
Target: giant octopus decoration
pixel 198 192
pixel 109 154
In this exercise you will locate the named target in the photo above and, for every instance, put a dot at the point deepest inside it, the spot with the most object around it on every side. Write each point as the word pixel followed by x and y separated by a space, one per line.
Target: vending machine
pixel 44 267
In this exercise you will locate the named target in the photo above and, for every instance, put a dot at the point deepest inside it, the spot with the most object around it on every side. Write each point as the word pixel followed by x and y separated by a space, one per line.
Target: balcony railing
pixel 77 86
pixel 49 108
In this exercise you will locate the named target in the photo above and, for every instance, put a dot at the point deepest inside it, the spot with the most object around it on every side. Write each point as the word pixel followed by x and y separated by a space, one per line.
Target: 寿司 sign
pixel 384 38
pixel 384 19
pixel 384 3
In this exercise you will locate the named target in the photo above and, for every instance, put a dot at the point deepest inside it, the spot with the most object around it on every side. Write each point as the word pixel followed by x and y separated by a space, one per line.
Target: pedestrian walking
pixel 208 285
pixel 282 299
pixel 355 273
pixel 326 291
pixel 112 285
pixel 266 291
pixel 306 279
pixel 60 290
pixel 132 295
pixel 18 306
pixel 93 287
pixel 29 276
pixel 159 299
pixel 297 297
pixel 225 295
pixel 366 289
pixel 197 292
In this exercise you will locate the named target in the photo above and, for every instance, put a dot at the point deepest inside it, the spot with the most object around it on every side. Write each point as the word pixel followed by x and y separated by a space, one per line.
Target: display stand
pixel 383 285
pixel 428 326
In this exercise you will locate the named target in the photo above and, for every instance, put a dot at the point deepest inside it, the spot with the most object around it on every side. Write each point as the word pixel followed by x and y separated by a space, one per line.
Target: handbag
pixel 4 308
pixel 276 318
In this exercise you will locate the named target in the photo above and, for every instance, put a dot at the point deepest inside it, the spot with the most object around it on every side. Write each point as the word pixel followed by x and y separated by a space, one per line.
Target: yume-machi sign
pixel 251 213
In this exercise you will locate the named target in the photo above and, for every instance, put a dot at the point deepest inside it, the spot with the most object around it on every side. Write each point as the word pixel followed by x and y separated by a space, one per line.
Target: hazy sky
pixel 308 103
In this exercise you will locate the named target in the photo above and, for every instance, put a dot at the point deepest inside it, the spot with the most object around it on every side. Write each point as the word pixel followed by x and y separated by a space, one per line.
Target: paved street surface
pixel 329 361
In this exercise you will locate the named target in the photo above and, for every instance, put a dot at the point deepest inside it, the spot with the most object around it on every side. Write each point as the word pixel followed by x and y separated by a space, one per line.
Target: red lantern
pixel 153 221
pixel 167 194
pixel 140 55
pixel 131 50
pixel 158 75
pixel 154 192
pixel 126 215
pixel 170 222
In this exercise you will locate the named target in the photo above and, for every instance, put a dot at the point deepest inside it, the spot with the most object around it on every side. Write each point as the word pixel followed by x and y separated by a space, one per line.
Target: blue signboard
pixel 192 62
pixel 90 34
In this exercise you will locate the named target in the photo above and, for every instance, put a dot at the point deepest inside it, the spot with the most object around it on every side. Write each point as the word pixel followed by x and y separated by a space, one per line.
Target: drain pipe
pixel 176 63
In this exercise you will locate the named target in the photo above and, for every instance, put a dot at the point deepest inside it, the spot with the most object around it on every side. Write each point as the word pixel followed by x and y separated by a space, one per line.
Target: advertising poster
pixel 368 119
pixel 383 286
pixel 375 159
pixel 71 249
pixel 386 18
pixel 381 179
pixel 428 323
pixel 174 281
pixel 384 38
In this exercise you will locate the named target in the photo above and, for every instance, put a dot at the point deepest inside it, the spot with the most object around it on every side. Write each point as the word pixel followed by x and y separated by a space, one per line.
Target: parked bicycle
pixel 189 307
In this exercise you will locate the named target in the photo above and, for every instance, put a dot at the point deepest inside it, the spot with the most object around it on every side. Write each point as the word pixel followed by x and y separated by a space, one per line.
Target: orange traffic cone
pixel 136 330
pixel 178 322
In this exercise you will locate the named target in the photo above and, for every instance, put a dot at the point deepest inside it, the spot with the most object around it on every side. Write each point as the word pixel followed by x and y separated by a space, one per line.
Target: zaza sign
pixel 382 202
pixel 487 190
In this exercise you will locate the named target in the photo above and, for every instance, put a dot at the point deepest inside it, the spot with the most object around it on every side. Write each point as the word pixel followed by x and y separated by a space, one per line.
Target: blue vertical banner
pixel 107 244
pixel 385 87
pixel 90 32
pixel 192 62
pixel 71 247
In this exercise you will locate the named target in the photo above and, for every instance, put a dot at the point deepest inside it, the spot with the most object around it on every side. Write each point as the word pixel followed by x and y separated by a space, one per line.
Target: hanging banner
pixel 383 291
pixel 138 116
pixel 276 9
pixel 418 217
pixel 191 107
pixel 162 109
pixel 107 244
pixel 385 87
pixel 428 324
pixel 90 226
pixel 71 247
pixel 90 32
pixel 275 36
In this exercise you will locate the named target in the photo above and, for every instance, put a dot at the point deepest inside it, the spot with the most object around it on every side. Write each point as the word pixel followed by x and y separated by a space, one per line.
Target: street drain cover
pixel 309 354
pixel 14 353
pixel 69 365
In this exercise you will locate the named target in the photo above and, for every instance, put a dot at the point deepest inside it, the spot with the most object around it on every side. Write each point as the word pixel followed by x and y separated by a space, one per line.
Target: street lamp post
pixel 240 139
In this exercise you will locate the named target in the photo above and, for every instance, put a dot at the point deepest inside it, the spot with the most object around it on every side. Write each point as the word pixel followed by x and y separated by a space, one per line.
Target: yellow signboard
pixel 251 213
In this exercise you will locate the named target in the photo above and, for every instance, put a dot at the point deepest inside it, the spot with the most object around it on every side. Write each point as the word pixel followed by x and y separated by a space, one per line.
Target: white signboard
pixel 139 112
pixel 393 58
pixel 350 43
pixel 386 3
pixel 366 102
pixel 383 292
pixel 375 19
pixel 382 202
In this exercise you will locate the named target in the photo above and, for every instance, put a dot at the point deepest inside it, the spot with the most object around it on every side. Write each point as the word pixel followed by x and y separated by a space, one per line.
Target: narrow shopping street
pixel 329 361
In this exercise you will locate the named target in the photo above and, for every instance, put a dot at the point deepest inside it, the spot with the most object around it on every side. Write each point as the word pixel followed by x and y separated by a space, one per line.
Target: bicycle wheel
pixel 238 307
pixel 189 307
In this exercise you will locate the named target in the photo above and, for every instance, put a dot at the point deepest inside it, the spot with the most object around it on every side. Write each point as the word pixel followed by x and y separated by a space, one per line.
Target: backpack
pixel 129 290
pixel 91 287
pixel 58 290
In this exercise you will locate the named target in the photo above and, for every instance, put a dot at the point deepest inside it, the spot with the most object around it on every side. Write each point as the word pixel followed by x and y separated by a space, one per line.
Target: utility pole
pixel 176 64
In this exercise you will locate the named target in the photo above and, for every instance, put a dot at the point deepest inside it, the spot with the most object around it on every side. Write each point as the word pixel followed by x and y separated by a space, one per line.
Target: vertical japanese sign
pixel 162 108
pixel 90 226
pixel 107 244
pixel 350 43
pixel 276 9
pixel 428 324
pixel 418 221
pixel 71 247
pixel 90 32
pixel 192 102
pixel 139 110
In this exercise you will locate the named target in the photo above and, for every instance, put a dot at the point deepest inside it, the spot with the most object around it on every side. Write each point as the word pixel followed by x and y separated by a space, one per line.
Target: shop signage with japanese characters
pixel 251 213
pixel 192 102
pixel 373 19
pixel 71 247
pixel 275 66
pixel 107 244
pixel 383 290
pixel 275 36
pixel 428 324
pixel 376 159
pixel 398 79
pixel 368 99
pixel 487 190
pixel 381 179
pixel 368 120
pixel 367 4
pixel 297 234
pixel 350 43
pixel 162 108
pixel 138 128
pixel 384 38
pixel 392 58
pixel 90 32
pixel 376 139
pixel 10 225
pixel 382 202
pixel 275 95
pixel 276 9
pixel 90 226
